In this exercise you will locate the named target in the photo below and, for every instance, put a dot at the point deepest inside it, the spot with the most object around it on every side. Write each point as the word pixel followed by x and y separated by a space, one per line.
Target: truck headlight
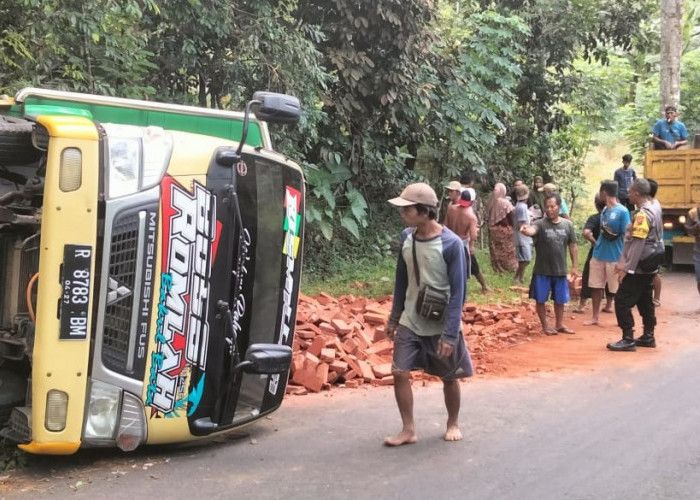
pixel 114 416
pixel 136 157
pixel 102 411
pixel 132 423
pixel 56 410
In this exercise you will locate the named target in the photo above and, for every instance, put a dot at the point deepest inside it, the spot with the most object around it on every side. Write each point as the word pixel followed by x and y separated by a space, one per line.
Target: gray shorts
pixel 413 352
pixel 523 253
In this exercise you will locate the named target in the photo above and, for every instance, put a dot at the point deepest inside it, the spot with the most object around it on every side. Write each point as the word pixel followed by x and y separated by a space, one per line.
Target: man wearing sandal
pixel 614 220
pixel 552 235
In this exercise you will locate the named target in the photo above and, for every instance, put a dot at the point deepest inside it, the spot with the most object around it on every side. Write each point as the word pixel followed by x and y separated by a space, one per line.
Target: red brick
pixel 379 333
pixel 378 382
pixel 317 344
pixel 327 328
pixel 341 326
pixel 310 361
pixel 365 337
pixel 322 373
pixel 304 334
pixel 381 371
pixel 381 347
pixel 366 370
pixel 375 318
pixel 350 345
pixel 310 380
pixel 333 377
pixel 327 354
pixel 339 366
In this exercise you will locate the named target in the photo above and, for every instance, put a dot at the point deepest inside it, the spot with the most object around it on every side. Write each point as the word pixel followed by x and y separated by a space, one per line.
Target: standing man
pixel 431 256
pixel 550 188
pixel 512 196
pixel 462 221
pixel 692 225
pixel 624 177
pixel 522 242
pixel 608 247
pixel 549 277
pixel 452 192
pixel 669 133
pixel 636 285
pixel 466 180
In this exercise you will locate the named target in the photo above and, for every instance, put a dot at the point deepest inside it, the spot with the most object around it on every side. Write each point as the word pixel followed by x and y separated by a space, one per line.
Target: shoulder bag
pixel 431 302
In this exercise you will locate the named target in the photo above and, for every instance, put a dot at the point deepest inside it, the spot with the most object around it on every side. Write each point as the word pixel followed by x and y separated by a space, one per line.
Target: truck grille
pixel 29 265
pixel 122 267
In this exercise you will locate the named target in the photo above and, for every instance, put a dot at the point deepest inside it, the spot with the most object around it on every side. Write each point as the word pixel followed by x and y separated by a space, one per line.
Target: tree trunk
pixel 671 46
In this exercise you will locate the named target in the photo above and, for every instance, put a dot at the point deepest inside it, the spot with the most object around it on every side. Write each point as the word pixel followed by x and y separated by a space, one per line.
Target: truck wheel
pixel 16 142
pixel 13 391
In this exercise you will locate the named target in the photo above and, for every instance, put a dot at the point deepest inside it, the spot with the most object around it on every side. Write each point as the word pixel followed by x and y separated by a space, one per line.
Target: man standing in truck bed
pixel 669 133
pixel 624 177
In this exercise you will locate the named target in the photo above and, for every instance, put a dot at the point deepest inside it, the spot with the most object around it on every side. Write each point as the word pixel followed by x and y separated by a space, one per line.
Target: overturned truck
pixel 150 262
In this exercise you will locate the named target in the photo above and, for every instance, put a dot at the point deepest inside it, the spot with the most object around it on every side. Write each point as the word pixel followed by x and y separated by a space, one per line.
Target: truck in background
pixel 678 175
pixel 150 263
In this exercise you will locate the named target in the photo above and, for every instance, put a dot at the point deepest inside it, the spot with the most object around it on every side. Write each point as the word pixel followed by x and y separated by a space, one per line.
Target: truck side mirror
pixel 266 359
pixel 276 108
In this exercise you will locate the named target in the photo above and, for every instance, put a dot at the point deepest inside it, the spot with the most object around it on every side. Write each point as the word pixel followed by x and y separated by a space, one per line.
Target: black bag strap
pixel 415 259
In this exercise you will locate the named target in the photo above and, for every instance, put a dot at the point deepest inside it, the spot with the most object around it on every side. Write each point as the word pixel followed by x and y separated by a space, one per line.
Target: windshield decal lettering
pixel 292 225
pixel 190 236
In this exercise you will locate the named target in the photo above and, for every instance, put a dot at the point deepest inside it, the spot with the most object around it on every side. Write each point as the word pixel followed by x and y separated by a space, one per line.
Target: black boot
pixel 646 340
pixel 625 344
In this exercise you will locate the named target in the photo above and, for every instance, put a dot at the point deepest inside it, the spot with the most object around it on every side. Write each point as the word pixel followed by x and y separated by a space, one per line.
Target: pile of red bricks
pixel 341 341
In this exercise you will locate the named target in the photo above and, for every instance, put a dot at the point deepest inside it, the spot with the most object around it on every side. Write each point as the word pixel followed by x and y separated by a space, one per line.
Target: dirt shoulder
pixel 677 320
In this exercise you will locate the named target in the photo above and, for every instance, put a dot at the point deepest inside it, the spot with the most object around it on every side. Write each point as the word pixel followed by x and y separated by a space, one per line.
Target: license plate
pixel 75 302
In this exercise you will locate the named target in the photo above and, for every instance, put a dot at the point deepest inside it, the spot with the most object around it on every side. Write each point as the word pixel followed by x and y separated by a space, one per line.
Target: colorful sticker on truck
pixel 189 243
pixel 292 228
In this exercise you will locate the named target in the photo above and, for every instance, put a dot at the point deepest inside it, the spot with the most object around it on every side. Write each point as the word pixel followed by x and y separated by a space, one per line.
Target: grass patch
pixel 367 277
pixel 375 277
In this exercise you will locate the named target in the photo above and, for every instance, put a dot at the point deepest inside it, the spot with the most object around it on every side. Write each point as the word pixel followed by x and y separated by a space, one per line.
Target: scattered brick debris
pixel 341 342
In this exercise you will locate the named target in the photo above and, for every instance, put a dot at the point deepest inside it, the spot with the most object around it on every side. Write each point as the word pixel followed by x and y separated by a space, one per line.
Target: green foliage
pixel 559 32
pixel 97 47
pixel 393 91
pixel 467 89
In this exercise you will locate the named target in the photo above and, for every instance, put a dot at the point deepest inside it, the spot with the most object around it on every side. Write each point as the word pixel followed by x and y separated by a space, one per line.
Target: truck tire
pixel 13 391
pixel 16 142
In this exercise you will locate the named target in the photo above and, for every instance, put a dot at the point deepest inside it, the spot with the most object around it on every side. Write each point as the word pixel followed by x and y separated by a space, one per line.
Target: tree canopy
pixel 392 90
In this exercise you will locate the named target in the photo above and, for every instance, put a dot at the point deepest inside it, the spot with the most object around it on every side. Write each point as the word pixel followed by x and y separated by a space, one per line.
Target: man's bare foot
pixel 402 437
pixel 590 322
pixel 549 331
pixel 453 434
pixel 607 309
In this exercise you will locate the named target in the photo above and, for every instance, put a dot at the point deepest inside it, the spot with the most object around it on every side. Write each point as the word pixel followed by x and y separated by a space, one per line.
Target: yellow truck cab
pixel 150 262
pixel 678 175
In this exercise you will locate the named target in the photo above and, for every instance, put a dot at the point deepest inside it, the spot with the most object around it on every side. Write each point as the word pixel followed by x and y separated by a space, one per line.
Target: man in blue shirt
pixel 624 177
pixel 669 133
pixel 608 248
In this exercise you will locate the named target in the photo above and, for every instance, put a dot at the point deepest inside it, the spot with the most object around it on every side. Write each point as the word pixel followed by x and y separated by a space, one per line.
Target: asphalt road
pixel 620 431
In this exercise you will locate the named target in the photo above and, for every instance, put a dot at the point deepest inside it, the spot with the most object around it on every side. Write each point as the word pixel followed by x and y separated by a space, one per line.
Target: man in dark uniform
pixel 636 284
